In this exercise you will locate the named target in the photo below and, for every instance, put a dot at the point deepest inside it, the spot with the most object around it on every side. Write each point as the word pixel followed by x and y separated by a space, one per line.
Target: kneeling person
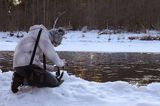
pixel 27 65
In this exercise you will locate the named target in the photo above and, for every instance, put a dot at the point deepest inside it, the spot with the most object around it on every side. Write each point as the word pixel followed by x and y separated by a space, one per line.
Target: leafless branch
pixel 55 22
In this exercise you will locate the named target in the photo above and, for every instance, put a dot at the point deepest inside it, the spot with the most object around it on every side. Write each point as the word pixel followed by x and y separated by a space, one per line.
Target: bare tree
pixel 131 15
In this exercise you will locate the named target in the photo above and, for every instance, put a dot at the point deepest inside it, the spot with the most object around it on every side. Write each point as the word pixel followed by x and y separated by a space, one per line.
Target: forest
pixel 130 15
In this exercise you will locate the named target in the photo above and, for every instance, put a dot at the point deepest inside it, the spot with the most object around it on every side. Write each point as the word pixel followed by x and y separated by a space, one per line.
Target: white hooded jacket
pixel 24 49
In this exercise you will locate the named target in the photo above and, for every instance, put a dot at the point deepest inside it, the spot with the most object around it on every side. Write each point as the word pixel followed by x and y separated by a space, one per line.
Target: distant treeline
pixel 131 15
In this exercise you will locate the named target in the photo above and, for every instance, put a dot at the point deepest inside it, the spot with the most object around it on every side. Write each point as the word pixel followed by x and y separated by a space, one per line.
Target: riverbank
pixel 76 91
pixel 92 41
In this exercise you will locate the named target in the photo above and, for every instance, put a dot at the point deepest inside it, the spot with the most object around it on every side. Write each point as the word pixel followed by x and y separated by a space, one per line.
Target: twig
pixel 55 22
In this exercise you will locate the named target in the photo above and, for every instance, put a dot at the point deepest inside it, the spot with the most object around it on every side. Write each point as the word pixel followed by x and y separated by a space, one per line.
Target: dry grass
pixel 145 37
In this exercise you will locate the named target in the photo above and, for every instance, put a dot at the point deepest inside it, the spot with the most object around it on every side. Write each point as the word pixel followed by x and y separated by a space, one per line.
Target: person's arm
pixel 48 49
pixel 48 67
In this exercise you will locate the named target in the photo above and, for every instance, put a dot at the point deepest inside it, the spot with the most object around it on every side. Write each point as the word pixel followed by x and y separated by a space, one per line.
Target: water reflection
pixel 6 59
pixel 139 68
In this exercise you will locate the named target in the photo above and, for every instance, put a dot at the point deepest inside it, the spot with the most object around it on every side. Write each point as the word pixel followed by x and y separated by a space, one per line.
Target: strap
pixel 35 47
pixel 44 62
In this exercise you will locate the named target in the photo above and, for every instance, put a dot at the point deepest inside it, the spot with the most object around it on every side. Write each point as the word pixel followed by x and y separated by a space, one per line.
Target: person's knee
pixel 54 83
pixel 58 83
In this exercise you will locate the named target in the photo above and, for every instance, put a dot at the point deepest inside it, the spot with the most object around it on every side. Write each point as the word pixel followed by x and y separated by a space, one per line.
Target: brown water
pixel 141 68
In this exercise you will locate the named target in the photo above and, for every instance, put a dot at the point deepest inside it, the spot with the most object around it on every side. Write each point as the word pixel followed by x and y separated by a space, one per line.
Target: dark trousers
pixel 35 76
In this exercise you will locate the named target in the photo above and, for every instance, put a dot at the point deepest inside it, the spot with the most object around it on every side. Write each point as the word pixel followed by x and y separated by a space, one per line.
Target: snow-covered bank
pixel 78 92
pixel 92 42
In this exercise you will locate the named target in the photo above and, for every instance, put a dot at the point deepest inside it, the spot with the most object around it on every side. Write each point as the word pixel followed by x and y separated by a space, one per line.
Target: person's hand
pixel 56 68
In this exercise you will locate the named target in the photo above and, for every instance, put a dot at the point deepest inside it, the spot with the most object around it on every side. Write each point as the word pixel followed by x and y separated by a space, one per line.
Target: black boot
pixel 17 81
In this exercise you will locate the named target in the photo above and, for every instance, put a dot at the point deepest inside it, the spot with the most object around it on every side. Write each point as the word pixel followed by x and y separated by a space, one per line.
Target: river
pixel 135 68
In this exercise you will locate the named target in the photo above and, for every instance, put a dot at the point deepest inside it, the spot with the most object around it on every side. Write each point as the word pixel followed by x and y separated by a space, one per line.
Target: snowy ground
pixel 76 91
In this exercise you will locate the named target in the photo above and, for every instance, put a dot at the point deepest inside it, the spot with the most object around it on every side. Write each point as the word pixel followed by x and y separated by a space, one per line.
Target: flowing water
pixel 136 68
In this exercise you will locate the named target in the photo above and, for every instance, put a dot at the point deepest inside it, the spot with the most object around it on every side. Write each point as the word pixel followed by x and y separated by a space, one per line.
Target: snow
pixel 8 43
pixel 78 92
pixel 92 42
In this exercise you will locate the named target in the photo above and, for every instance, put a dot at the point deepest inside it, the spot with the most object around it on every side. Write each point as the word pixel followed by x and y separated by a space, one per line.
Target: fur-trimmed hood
pixel 55 35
